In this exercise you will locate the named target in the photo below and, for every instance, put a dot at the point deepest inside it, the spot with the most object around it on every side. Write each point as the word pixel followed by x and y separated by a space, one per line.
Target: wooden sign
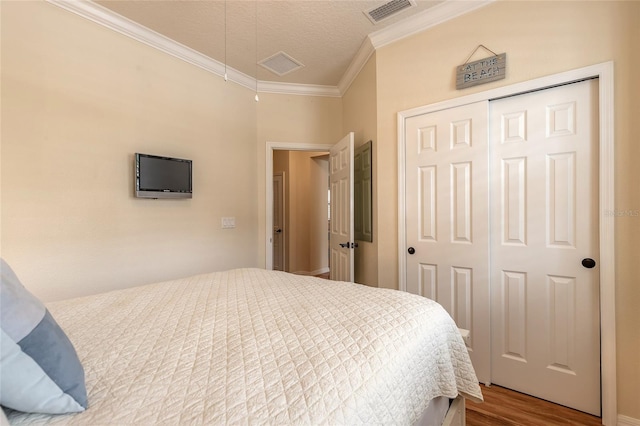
pixel 482 71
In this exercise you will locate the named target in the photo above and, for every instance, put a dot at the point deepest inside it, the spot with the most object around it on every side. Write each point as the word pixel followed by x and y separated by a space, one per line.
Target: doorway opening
pixel 300 238
pixel 304 234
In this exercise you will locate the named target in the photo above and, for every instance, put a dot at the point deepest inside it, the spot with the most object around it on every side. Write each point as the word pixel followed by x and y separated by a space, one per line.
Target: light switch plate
pixel 228 222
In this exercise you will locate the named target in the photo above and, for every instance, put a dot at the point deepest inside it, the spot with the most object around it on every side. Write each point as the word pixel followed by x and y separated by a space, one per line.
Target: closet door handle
pixel 588 263
pixel 411 250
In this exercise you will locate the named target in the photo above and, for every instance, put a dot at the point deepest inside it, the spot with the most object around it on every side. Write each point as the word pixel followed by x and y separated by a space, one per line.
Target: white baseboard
pixel 320 271
pixel 627 421
pixel 313 273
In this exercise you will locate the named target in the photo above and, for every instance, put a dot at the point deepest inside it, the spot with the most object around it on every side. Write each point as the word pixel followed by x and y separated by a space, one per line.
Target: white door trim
pixel 604 72
pixel 270 147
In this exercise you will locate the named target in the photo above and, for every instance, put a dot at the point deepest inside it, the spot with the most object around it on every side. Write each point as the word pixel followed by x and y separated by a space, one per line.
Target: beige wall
pixel 540 38
pixel 78 100
pixel 360 117
pixel 318 213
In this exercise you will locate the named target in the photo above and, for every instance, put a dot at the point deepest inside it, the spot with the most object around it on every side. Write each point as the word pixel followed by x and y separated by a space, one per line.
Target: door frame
pixel 279 146
pixel 605 73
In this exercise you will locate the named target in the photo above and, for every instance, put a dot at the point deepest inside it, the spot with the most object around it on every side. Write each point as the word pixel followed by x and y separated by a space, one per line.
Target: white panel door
pixel 447 253
pixel 278 222
pixel 341 243
pixel 544 209
pixel 362 186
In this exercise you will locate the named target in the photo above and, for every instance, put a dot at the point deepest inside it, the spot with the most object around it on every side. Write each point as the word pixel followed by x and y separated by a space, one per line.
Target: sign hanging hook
pixel 476 49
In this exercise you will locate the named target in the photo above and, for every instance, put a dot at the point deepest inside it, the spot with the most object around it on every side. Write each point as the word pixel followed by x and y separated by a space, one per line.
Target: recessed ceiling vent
pixel 388 9
pixel 280 64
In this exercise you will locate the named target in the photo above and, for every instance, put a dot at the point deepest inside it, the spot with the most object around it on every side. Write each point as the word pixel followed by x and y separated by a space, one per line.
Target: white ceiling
pixel 328 37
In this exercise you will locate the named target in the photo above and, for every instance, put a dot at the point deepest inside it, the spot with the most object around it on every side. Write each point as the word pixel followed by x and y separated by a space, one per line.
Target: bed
pixel 250 346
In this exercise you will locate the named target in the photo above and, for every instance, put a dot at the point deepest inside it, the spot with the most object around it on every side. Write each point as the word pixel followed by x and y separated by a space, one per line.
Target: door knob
pixel 411 250
pixel 278 231
pixel 588 263
pixel 344 245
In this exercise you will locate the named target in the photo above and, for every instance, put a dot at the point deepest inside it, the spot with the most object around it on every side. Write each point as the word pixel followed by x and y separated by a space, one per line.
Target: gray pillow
pixel 40 370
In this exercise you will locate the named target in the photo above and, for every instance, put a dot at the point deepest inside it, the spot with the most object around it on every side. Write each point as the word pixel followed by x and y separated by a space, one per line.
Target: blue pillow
pixel 39 369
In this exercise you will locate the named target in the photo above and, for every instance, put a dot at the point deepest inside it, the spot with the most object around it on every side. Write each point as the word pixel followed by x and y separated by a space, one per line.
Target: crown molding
pixel 424 20
pixel 298 89
pixel 357 63
pixel 105 17
pixel 412 25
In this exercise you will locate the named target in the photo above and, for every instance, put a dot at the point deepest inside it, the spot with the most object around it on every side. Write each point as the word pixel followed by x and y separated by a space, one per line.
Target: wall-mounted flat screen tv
pixel 162 177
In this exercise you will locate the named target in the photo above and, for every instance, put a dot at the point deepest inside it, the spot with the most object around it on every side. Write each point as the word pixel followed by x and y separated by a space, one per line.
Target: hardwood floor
pixel 504 407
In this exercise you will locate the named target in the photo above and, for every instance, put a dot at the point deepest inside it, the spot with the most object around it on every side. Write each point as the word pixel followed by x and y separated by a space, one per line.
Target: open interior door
pixel 341 244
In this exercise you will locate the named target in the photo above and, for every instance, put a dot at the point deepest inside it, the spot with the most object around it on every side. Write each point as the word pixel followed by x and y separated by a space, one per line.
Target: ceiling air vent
pixel 388 9
pixel 280 64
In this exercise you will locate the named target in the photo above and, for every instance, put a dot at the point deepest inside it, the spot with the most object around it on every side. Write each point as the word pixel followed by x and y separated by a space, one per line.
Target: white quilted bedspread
pixel 251 346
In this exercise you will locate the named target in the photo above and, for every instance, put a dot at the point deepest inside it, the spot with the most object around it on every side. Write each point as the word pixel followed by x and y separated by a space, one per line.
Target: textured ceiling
pixel 323 35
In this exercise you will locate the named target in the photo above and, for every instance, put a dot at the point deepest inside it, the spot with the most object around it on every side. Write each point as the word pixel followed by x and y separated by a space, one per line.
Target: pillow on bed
pixel 41 372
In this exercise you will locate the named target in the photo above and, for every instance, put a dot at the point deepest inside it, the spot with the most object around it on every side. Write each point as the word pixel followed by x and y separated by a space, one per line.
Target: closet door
pixel 447 252
pixel 544 221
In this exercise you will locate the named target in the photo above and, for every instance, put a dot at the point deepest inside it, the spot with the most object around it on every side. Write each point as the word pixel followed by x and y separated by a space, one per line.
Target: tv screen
pixel 162 177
